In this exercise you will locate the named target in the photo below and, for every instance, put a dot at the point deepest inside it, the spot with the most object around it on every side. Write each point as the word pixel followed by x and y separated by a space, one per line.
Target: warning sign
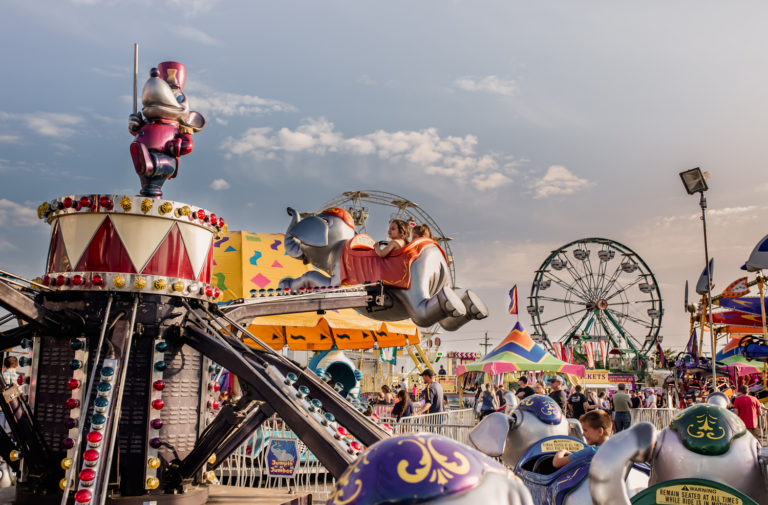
pixel 695 495
pixel 562 444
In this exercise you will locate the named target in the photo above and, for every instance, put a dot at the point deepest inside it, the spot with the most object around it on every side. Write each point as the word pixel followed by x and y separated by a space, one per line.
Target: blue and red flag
pixel 513 300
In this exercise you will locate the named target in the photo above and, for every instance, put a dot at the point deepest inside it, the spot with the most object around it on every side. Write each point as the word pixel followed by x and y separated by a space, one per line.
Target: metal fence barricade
pixel 659 418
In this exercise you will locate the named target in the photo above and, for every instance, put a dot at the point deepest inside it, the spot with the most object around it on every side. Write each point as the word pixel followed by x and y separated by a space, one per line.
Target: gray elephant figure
pixel 706 450
pixel 523 424
pixel 326 240
pixel 429 470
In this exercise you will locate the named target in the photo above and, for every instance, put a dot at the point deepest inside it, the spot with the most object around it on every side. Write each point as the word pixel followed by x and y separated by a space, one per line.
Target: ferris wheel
pixel 359 204
pixel 612 296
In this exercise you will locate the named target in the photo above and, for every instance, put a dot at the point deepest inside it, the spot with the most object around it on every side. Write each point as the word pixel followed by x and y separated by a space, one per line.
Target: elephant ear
pixel 312 231
pixel 490 436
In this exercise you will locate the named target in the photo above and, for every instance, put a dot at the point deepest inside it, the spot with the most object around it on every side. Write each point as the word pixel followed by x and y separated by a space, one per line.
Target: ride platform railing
pixel 659 418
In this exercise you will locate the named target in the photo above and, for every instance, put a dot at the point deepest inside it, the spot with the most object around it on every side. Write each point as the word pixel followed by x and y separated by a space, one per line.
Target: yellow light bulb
pixel 160 284
pixel 153 482
pixel 63 483
pixel 14 456
pixel 125 203
pixel 165 208
pixel 210 476
pixel 118 281
pixel 154 463
pixel 212 459
pixel 140 282
pixel 66 463
pixel 178 286
pixel 146 206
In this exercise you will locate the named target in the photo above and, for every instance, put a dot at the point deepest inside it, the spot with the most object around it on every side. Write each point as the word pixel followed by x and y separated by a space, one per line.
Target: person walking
pixel 490 402
pixel 557 394
pixel 748 409
pixel 432 394
pixel 524 390
pixel 635 400
pixel 500 396
pixel 577 403
pixel 621 405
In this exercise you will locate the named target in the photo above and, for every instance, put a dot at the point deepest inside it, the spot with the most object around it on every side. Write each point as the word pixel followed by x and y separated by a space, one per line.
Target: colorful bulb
pixel 46 280
pixel 94 439
pixel 85 202
pixel 98 421
pixel 208 289
pixel 69 443
pixel 153 482
pixel 68 203
pixel 76 345
pixel 83 496
pixel 104 388
pixel 216 293
pixel 61 280
pixel 71 423
pixel 75 364
pixel 105 202
pixel 101 404
pixel 213 219
pixel 341 432
pixel 107 373
pixel 221 222
pixel 155 443
pixel 161 346
pixel 158 404
pixel 156 424
pixel 77 280
pixel 73 384
pixel 355 446
pixel 153 463
pixel 63 483
pixel 97 280
pixel 66 463
pixel 21 380
pixel 201 215
pixel 87 477
pixel 91 457
pixel 72 403
pixel 160 366
pixel 158 385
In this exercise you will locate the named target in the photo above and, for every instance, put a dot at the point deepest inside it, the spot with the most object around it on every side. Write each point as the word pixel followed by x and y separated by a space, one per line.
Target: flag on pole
pixel 662 356
pixel 604 352
pixel 590 354
pixel 513 300
pixel 558 350
pixel 569 355
pixel 693 347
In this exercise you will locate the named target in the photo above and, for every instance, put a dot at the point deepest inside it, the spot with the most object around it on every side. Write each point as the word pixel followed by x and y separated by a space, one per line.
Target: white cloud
pixel 365 79
pixel 49 124
pixel 10 139
pixel 192 7
pixel 6 246
pixel 219 184
pixel 208 101
pixel 16 214
pixel 559 181
pixel 490 84
pixel 222 121
pixel 194 34
pixel 447 156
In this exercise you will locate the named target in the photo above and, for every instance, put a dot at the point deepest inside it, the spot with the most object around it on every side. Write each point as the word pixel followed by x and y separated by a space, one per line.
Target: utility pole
pixel 485 344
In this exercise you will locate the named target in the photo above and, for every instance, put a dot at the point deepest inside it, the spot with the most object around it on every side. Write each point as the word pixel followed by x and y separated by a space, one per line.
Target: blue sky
pixel 517 126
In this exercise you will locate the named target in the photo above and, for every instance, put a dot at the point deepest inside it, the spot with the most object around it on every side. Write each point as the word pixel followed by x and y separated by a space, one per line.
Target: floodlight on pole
pixel 695 181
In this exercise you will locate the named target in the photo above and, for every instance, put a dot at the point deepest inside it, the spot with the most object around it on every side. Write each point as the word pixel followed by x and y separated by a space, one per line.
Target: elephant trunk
pixel 611 464
pixel 292 247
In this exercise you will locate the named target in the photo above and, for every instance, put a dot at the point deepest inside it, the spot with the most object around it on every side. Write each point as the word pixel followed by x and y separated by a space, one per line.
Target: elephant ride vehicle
pixel 705 456
pixel 523 424
pixel 568 485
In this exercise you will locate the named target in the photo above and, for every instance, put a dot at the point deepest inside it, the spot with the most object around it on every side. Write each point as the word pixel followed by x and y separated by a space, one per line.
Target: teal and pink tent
pixel 519 353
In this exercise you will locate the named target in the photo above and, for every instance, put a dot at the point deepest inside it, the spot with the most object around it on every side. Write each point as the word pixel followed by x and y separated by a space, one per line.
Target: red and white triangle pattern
pixel 131 245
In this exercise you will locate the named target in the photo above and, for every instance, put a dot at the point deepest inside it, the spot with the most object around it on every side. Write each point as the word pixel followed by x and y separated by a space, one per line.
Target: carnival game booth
pixel 519 353
pixel 252 264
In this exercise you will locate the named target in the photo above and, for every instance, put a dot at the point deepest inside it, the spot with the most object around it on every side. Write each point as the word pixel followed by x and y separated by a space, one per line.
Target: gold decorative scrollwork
pixel 420 473
pixel 430 455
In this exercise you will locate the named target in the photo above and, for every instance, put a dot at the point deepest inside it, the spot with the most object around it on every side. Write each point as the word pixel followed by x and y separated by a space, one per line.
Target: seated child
pixel 596 425
pixel 398 233
pixel 421 231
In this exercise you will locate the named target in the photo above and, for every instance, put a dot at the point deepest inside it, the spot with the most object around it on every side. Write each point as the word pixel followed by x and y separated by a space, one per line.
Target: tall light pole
pixel 696 182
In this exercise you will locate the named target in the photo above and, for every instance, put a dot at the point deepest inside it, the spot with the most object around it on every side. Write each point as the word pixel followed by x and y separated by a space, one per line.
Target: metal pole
pixel 86 400
pixel 118 411
pixel 703 203
pixel 135 78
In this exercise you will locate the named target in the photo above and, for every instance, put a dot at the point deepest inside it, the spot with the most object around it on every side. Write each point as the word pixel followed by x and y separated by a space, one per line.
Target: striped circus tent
pixel 244 261
pixel 519 353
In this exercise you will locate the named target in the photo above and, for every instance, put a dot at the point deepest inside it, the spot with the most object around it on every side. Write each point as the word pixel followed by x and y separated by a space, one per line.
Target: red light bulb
pixel 77 280
pixel 73 384
pixel 46 280
pixel 216 293
pixel 356 446
pixel 158 385
pixel 105 202
pixel 88 476
pixel 97 280
pixel 68 203
pixel 94 438
pixel 208 290
pixel 72 403
pixel 85 202
pixel 21 380
pixel 158 404
pixel 61 280
pixel 213 219
pixel 201 215
pixel 341 432
pixel 221 222
pixel 83 496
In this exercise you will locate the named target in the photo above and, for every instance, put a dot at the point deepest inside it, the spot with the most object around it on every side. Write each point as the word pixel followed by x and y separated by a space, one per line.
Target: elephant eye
pixel 180 98
pixel 327 221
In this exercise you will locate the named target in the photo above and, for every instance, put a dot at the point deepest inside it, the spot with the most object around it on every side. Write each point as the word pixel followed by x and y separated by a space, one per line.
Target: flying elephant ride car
pixel 510 434
pixel 705 456
pixel 426 469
